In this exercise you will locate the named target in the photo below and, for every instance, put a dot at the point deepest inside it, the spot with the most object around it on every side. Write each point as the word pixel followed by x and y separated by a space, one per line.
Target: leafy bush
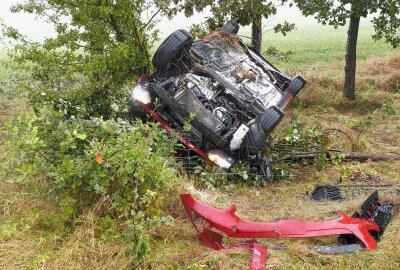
pixel 300 139
pixel 95 157
pixel 87 160
pixel 99 48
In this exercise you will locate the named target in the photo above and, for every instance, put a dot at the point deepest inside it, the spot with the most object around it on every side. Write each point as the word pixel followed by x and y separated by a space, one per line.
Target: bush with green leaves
pixel 88 160
pixel 99 48
pixel 93 158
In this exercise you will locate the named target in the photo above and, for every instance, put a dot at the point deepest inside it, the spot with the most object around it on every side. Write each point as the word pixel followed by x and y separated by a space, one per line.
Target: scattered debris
pixel 375 211
pixel 333 152
pixel 359 232
pixel 326 192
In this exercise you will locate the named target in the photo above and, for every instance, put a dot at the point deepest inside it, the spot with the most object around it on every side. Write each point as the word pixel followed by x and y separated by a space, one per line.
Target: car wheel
pixel 230 27
pixel 173 46
pixel 269 119
pixel 296 85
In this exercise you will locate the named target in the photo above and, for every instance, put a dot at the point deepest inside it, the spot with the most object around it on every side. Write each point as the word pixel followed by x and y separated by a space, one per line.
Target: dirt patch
pixel 364 177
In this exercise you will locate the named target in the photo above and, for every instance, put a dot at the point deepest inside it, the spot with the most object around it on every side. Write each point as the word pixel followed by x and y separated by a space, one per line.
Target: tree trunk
pixel 351 56
pixel 256 33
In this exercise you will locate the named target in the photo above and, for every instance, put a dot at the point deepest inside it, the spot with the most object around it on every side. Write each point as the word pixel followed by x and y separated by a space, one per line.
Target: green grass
pixel 323 44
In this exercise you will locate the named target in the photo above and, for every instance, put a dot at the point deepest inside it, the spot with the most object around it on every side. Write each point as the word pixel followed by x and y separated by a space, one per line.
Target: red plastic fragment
pixel 259 252
pixel 227 222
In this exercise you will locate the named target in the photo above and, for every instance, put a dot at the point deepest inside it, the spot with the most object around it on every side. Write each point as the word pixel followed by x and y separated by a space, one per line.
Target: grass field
pixel 28 242
pixel 318 44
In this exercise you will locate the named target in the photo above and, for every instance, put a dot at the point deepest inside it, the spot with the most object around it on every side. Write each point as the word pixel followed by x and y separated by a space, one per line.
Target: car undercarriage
pixel 232 97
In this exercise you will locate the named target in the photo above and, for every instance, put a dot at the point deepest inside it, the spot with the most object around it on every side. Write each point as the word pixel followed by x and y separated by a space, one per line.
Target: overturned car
pixel 232 97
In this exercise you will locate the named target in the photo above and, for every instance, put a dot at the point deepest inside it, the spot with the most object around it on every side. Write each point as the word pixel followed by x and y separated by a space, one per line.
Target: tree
pixel 243 12
pixel 100 44
pixel 385 19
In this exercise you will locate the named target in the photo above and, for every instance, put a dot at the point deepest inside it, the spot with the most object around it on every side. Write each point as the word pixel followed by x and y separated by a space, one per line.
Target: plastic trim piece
pixel 227 222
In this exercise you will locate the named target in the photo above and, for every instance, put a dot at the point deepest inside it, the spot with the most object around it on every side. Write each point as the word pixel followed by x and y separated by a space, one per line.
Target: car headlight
pixel 141 94
pixel 221 159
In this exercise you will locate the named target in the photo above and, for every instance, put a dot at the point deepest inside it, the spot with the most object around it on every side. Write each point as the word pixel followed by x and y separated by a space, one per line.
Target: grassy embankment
pixel 31 238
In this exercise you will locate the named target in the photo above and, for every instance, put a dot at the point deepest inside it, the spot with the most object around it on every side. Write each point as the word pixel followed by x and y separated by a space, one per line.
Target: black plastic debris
pixel 375 211
pixel 372 209
pixel 326 192
pixel 343 191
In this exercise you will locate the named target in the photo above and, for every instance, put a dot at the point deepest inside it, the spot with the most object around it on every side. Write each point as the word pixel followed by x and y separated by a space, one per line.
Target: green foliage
pixel 138 235
pixel 73 135
pixel 273 52
pixel 301 139
pixel 100 47
pixel 92 158
pixel 242 11
pixel 388 109
pixel 87 160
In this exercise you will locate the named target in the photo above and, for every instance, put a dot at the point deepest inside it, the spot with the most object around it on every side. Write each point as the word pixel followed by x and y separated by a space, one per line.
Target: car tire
pixel 269 119
pixel 296 85
pixel 230 27
pixel 171 47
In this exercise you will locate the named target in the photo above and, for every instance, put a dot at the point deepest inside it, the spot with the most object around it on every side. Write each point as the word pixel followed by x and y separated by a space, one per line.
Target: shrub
pixel 95 157
pixel 87 160
pixel 100 47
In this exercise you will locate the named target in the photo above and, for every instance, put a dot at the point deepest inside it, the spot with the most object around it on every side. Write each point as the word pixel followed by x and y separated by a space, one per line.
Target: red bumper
pixel 227 222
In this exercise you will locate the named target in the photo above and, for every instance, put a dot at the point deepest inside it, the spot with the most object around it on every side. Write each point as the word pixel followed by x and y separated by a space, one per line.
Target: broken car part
pixel 232 97
pixel 373 210
pixel 342 191
pixel 211 224
pixel 227 222
pixel 359 232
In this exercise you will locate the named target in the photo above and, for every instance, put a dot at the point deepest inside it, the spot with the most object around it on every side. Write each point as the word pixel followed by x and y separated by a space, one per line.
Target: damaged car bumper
pixel 359 232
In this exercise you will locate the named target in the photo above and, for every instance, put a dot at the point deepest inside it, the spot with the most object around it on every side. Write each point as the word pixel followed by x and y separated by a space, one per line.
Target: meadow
pixel 315 44
pixel 31 236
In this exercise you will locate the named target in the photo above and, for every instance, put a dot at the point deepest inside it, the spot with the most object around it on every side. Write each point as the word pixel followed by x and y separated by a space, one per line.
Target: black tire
pixel 171 47
pixel 269 119
pixel 230 27
pixel 296 85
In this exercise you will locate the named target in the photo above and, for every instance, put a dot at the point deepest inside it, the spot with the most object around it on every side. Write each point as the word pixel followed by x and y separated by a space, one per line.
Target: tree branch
pixel 151 19
pixel 346 155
